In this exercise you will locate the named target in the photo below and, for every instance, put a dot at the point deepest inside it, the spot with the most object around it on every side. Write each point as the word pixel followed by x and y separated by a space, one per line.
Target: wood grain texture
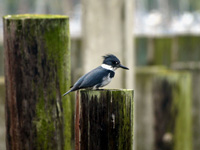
pixel 37 73
pixel 106 119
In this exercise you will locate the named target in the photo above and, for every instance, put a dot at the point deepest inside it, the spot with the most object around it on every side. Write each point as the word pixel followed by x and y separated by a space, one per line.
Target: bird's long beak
pixel 123 67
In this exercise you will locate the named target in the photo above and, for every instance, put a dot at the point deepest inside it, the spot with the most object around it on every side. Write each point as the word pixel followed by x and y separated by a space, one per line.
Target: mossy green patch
pixel 188 48
pixel 58 47
pixel 44 125
pixel 162 51
pixel 68 112
pixel 182 106
pixel 125 107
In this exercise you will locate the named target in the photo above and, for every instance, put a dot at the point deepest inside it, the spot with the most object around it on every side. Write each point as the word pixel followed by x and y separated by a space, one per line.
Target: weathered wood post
pixel 188 56
pixel 163 109
pixel 105 120
pixel 37 73
pixel 194 69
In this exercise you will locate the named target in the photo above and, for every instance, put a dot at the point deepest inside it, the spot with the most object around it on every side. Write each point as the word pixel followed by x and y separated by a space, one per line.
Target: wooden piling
pixel 37 73
pixel 163 109
pixel 194 69
pixel 106 120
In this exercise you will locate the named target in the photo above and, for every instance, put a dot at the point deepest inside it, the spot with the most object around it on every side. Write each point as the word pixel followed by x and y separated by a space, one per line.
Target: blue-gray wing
pixel 93 78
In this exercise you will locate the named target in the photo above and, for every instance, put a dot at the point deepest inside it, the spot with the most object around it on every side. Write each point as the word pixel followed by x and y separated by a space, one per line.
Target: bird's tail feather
pixel 67 92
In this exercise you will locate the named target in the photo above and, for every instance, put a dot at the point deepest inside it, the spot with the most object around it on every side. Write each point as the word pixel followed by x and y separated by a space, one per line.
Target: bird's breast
pixel 106 80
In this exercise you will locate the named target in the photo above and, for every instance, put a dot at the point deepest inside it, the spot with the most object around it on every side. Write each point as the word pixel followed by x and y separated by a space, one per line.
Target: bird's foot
pixel 99 89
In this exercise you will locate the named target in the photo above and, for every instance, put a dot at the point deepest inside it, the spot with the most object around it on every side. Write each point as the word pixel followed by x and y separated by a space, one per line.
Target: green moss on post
pixel 37 72
pixel 188 48
pixel 195 71
pixel 154 51
pixel 106 119
pixel 163 50
pixel 182 110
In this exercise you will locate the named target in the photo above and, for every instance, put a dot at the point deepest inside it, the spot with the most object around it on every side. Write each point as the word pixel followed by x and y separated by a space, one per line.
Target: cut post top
pixel 34 16
pixel 105 91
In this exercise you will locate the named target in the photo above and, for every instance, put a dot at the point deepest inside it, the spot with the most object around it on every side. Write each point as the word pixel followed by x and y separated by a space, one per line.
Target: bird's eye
pixel 115 62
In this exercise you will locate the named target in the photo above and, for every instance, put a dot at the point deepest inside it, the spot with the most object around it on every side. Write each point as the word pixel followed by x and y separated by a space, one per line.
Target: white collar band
pixel 108 67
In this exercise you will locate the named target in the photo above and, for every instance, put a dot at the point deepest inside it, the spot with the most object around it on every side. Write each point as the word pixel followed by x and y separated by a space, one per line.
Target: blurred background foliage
pixel 160 27
pixel 166 33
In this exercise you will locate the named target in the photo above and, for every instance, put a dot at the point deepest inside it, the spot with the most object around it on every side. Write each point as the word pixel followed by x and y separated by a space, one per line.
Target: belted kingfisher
pixel 100 76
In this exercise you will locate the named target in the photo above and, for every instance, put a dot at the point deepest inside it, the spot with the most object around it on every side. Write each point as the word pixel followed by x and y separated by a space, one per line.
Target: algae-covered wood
pixel 106 119
pixel 37 73
pixel 196 108
pixel 172 110
pixel 163 50
pixel 154 51
pixel 193 68
pixel 188 48
pixel 163 109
